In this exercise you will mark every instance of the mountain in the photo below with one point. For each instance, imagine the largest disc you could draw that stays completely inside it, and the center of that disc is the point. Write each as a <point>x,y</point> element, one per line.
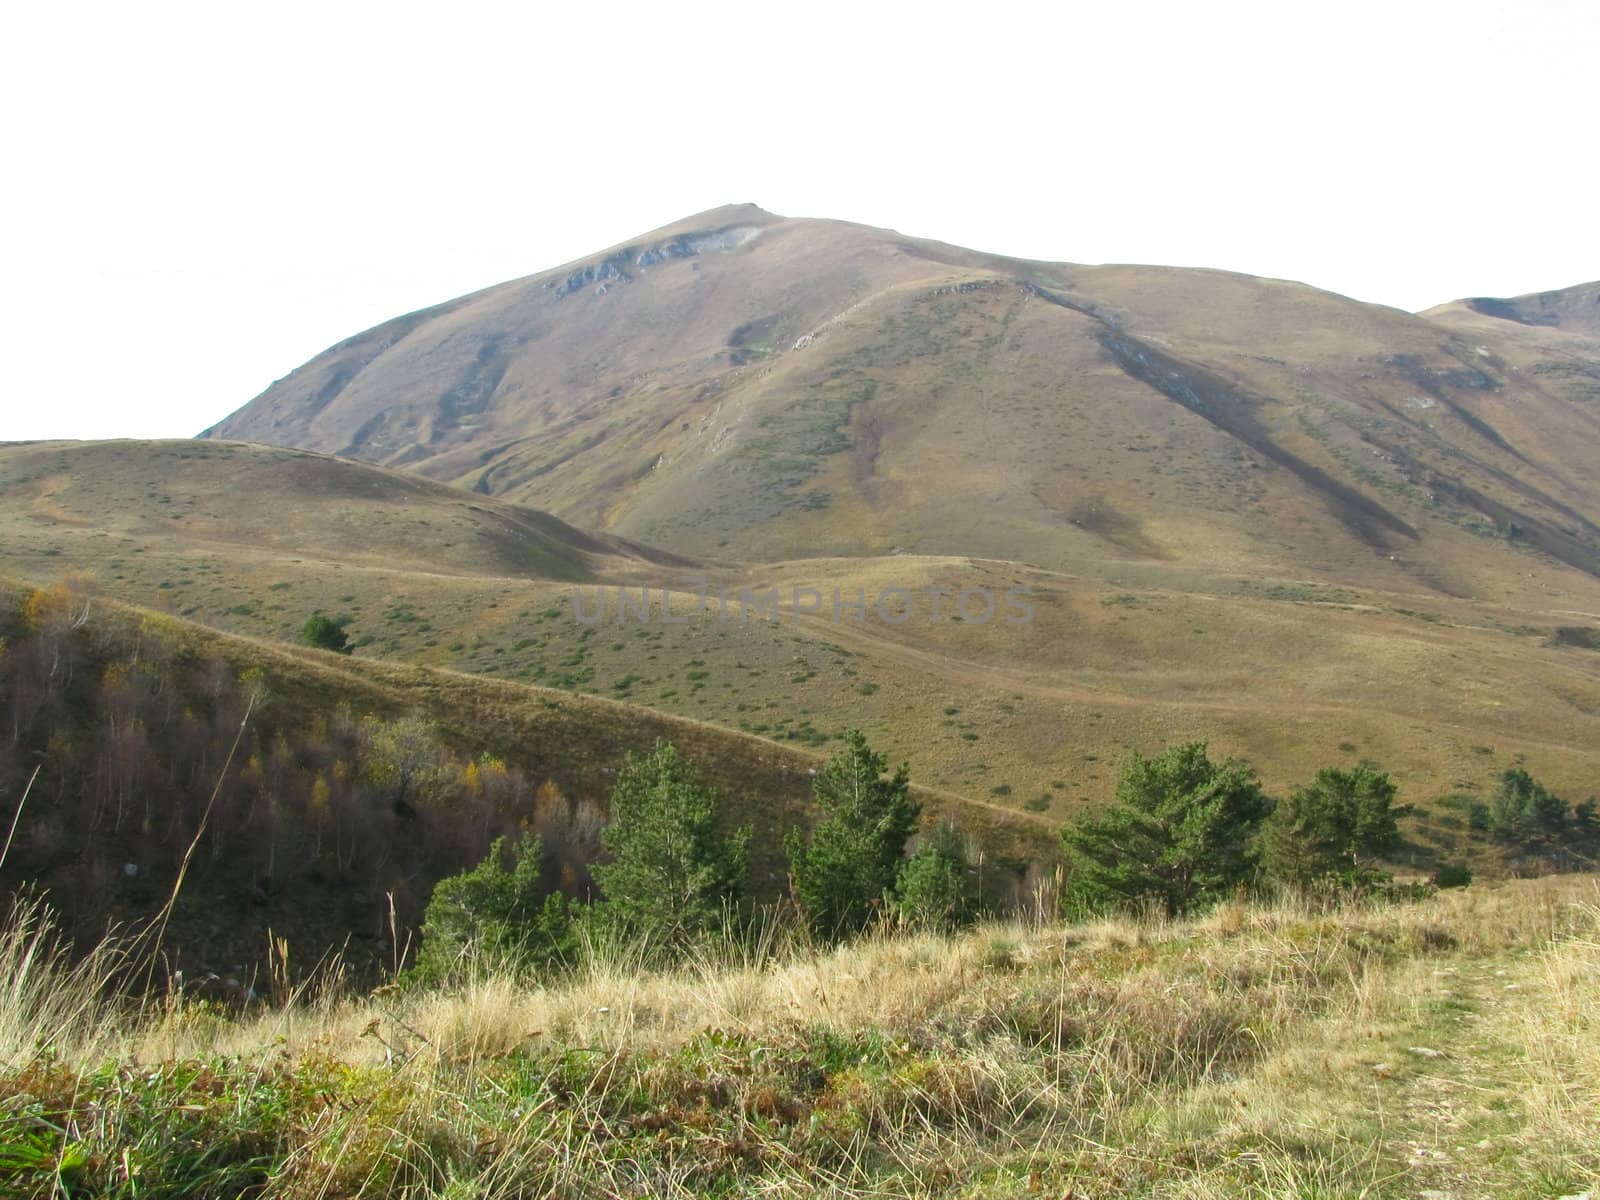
<point>759,388</point>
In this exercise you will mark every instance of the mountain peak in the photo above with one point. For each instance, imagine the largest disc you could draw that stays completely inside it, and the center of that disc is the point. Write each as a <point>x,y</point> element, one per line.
<point>709,221</point>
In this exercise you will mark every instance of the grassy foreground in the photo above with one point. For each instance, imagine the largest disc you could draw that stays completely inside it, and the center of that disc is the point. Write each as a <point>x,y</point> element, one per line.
<point>1449,1047</point>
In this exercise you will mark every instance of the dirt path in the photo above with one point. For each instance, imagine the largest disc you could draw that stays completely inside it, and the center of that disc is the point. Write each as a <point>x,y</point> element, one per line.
<point>1461,1090</point>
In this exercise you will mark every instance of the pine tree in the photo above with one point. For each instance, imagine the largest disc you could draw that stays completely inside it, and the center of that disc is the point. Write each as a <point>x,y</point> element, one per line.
<point>1523,809</point>
<point>489,917</point>
<point>1586,819</point>
<point>673,874</point>
<point>1179,834</point>
<point>935,889</point>
<point>849,864</point>
<point>1328,826</point>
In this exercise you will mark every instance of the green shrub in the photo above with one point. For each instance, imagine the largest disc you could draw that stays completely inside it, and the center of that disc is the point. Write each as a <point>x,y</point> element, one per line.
<point>1576,635</point>
<point>1523,809</point>
<point>325,633</point>
<point>1586,819</point>
<point>489,917</point>
<point>1452,875</point>
<point>935,890</point>
<point>1327,827</point>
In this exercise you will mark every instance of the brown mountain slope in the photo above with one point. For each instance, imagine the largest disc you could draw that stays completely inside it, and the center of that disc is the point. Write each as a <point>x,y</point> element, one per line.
<point>754,387</point>
<point>1571,310</point>
<point>1550,340</point>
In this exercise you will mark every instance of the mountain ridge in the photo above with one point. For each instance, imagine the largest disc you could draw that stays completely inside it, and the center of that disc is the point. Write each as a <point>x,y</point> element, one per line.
<point>1574,309</point>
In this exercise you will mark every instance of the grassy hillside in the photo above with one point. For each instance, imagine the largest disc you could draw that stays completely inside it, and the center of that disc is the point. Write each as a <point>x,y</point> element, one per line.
<point>1306,528</point>
<point>281,504</point>
<point>1287,671</point>
<point>314,790</point>
<point>1444,1048</point>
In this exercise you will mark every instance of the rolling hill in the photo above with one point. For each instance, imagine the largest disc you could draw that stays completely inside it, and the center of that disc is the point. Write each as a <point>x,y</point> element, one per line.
<point>1574,310</point>
<point>280,502</point>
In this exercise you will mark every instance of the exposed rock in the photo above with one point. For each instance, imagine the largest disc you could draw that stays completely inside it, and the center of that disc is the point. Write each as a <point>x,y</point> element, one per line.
<point>614,267</point>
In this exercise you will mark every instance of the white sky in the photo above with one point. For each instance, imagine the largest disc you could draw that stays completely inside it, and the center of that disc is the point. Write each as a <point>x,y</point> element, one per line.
<point>199,197</point>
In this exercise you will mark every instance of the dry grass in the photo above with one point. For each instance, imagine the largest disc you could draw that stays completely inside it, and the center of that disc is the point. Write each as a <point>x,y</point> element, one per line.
<point>1281,1051</point>
<point>51,1000</point>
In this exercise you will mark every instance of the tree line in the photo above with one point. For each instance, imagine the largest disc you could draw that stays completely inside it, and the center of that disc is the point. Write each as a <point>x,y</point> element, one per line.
<point>1184,832</point>
<point>125,738</point>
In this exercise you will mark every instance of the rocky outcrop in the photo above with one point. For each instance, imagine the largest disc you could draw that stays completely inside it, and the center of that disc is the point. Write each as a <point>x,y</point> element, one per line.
<point>619,266</point>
